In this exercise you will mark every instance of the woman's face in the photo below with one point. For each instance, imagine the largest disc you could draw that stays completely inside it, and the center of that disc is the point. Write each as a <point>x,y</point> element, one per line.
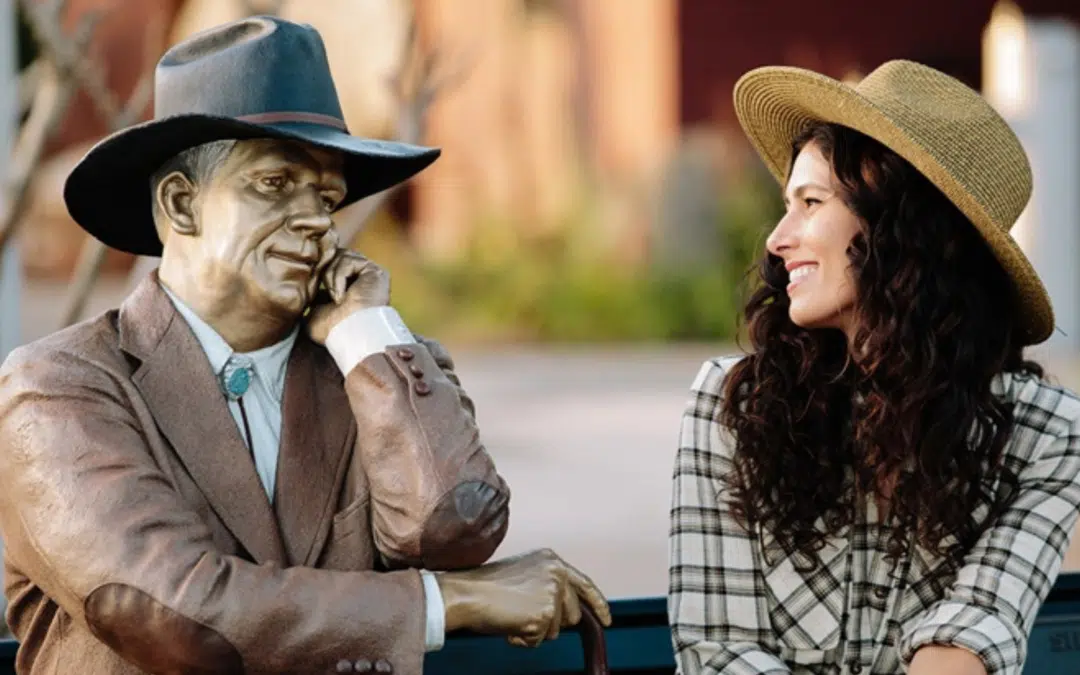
<point>813,239</point>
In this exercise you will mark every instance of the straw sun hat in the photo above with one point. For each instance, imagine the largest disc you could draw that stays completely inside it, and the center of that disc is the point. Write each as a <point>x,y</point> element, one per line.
<point>943,128</point>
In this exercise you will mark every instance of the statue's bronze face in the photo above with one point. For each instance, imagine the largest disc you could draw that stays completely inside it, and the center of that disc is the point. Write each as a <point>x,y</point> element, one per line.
<point>264,220</point>
<point>257,232</point>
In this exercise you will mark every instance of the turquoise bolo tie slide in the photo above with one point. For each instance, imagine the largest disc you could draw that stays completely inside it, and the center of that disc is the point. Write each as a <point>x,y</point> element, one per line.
<point>235,379</point>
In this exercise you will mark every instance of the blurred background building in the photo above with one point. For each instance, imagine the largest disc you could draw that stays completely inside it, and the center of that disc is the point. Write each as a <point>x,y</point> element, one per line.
<point>588,140</point>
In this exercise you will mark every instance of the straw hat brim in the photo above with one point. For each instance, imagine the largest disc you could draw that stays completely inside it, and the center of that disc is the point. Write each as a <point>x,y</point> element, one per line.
<point>775,104</point>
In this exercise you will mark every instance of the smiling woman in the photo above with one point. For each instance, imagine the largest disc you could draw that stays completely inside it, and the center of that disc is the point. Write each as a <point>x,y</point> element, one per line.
<point>883,484</point>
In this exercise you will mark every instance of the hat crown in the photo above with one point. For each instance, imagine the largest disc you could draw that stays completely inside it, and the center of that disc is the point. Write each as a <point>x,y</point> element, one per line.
<point>959,129</point>
<point>253,67</point>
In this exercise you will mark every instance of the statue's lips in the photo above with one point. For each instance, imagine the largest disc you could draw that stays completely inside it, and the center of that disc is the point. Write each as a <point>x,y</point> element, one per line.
<point>295,259</point>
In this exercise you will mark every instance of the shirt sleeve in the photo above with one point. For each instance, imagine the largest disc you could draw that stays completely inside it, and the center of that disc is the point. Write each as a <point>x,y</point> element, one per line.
<point>991,607</point>
<point>435,626</point>
<point>716,602</point>
<point>365,332</point>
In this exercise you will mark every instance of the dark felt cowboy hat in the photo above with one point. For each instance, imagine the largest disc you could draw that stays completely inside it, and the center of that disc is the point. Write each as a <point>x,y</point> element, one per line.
<point>260,77</point>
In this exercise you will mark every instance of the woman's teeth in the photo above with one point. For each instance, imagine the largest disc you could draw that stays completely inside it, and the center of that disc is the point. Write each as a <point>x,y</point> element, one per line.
<point>801,272</point>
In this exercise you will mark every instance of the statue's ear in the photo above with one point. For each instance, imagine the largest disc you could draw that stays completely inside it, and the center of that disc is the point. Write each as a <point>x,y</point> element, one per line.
<point>175,195</point>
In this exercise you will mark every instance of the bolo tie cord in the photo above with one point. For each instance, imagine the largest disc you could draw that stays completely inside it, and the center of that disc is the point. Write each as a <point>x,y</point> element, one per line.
<point>247,427</point>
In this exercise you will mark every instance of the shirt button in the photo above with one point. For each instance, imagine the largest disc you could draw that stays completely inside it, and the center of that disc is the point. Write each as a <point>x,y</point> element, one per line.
<point>344,666</point>
<point>383,666</point>
<point>422,388</point>
<point>856,668</point>
<point>362,666</point>
<point>416,370</point>
<point>405,354</point>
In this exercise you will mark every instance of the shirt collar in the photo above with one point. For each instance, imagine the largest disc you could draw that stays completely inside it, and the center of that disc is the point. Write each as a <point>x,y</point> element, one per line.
<point>270,362</point>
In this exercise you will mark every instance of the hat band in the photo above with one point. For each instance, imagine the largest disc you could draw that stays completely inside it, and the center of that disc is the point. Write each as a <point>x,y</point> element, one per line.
<point>279,117</point>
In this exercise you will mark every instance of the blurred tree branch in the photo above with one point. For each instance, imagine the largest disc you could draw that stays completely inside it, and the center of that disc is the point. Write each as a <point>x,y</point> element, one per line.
<point>45,88</point>
<point>420,77</point>
<point>117,116</point>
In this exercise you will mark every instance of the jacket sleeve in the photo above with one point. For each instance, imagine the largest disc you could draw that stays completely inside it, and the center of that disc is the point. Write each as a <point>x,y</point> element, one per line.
<point>717,599</point>
<point>88,516</point>
<point>437,501</point>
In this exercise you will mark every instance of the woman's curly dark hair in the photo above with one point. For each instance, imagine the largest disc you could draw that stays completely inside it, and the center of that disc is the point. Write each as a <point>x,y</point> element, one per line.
<point>905,412</point>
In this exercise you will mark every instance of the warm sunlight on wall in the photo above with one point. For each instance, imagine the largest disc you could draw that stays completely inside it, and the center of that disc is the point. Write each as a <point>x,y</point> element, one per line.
<point>1007,78</point>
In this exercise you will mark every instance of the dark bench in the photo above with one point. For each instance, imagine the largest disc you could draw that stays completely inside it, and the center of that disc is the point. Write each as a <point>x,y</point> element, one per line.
<point>639,643</point>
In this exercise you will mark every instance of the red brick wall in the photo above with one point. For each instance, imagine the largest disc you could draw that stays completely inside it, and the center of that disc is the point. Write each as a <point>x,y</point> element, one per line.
<point>721,40</point>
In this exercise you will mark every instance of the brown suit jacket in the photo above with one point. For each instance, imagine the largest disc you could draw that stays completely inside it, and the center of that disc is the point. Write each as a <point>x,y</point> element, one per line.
<point>138,537</point>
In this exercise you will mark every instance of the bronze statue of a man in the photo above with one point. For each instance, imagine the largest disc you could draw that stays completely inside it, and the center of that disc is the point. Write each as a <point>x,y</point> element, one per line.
<point>234,472</point>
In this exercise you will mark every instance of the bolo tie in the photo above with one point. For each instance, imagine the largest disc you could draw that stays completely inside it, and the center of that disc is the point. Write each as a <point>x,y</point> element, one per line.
<point>235,381</point>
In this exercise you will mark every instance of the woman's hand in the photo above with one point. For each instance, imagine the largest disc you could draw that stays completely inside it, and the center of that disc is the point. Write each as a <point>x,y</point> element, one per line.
<point>941,660</point>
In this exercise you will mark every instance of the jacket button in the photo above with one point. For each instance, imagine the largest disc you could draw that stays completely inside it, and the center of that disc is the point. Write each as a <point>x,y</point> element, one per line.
<point>881,592</point>
<point>416,370</point>
<point>344,666</point>
<point>362,666</point>
<point>383,666</point>
<point>422,388</point>
<point>405,354</point>
<point>856,668</point>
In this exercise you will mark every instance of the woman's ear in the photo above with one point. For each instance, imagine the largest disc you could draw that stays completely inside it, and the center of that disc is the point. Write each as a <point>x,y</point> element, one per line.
<point>174,196</point>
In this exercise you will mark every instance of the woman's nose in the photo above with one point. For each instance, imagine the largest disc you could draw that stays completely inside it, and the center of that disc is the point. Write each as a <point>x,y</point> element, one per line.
<point>784,236</point>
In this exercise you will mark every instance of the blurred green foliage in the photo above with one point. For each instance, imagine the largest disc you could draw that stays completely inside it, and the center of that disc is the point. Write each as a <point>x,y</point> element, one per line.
<point>567,285</point>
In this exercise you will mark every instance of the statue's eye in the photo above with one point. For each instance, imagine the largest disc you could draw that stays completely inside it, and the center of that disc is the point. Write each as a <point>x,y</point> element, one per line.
<point>273,182</point>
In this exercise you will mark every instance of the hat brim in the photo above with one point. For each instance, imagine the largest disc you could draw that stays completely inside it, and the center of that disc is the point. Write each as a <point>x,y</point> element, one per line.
<point>775,104</point>
<point>108,192</point>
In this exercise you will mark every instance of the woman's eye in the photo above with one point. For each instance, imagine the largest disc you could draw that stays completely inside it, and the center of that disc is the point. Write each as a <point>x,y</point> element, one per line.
<point>810,201</point>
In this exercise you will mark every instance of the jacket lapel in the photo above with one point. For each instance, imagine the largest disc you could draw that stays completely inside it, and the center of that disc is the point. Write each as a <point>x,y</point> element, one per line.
<point>176,381</point>
<point>316,426</point>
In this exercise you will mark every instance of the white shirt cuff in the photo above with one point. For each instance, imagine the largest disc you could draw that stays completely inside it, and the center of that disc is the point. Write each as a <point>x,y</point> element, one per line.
<point>366,332</point>
<point>435,631</point>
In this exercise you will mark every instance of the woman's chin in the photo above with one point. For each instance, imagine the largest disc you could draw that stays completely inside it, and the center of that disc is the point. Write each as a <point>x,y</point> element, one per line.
<point>812,320</point>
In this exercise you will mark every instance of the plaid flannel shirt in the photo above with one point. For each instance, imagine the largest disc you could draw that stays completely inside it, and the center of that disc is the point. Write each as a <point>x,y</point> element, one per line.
<point>733,612</point>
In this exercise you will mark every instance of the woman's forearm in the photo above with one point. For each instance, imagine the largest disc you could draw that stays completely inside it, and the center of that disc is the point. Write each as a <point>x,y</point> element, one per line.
<point>941,660</point>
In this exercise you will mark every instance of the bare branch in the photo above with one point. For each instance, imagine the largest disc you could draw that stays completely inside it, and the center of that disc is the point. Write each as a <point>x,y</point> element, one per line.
<point>86,272</point>
<point>29,79</point>
<point>143,90</point>
<point>92,254</point>
<point>415,85</point>
<point>50,102</point>
<point>57,83</point>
